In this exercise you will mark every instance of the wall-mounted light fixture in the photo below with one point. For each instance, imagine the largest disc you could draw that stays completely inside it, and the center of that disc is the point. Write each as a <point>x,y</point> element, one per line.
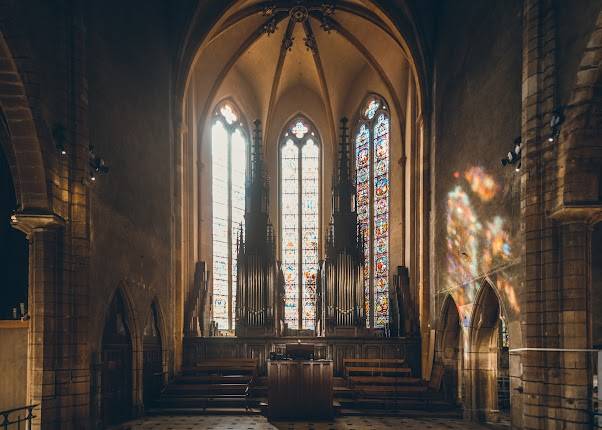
<point>514,157</point>
<point>59,136</point>
<point>555,123</point>
<point>97,165</point>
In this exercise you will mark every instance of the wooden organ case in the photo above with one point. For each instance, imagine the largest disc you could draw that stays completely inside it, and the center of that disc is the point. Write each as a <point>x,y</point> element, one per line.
<point>260,283</point>
<point>341,310</point>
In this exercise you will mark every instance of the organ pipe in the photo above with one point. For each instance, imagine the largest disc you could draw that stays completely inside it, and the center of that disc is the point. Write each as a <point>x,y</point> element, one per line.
<point>341,274</point>
<point>260,283</point>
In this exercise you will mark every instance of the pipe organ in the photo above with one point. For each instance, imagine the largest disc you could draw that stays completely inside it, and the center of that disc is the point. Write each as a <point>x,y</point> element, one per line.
<point>341,284</point>
<point>260,283</point>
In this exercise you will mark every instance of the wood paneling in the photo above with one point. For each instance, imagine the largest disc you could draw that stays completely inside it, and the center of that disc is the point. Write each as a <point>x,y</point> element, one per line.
<point>300,389</point>
<point>198,349</point>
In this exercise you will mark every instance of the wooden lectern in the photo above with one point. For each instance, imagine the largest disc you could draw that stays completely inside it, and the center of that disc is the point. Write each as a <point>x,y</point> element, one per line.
<point>300,389</point>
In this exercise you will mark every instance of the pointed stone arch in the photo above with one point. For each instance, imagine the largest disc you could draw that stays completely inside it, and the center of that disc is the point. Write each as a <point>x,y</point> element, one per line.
<point>450,348</point>
<point>484,364</point>
<point>580,152</point>
<point>120,360</point>
<point>23,148</point>
<point>153,355</point>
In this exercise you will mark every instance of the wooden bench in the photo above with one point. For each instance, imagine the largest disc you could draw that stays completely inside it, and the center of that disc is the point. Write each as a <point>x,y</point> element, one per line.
<point>216,379</point>
<point>374,367</point>
<point>228,366</point>
<point>373,361</point>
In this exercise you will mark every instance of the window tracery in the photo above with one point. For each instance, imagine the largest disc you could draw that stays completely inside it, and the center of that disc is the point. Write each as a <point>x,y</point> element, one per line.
<point>229,162</point>
<point>372,183</point>
<point>299,212</point>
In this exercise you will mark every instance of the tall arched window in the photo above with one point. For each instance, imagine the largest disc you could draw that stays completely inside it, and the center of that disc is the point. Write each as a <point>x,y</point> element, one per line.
<point>299,221</point>
<point>372,180</point>
<point>229,163</point>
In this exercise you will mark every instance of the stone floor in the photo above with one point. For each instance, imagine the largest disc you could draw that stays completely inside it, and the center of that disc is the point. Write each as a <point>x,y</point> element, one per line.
<point>217,422</point>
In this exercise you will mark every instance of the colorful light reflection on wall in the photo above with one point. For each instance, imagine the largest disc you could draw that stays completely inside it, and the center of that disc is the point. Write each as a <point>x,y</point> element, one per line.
<point>479,241</point>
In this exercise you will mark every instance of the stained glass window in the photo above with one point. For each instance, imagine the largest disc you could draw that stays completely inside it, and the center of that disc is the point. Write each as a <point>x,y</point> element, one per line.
<point>299,207</point>
<point>229,161</point>
<point>372,181</point>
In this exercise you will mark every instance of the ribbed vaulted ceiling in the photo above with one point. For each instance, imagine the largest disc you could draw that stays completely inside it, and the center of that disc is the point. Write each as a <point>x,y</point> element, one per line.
<point>284,54</point>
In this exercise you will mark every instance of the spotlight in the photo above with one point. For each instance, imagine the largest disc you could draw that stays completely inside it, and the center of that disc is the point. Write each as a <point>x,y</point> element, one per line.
<point>514,156</point>
<point>555,123</point>
<point>97,165</point>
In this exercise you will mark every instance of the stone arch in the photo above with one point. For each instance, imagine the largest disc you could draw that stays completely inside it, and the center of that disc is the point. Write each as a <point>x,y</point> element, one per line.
<point>487,323</point>
<point>153,355</point>
<point>127,351</point>
<point>580,153</point>
<point>23,148</point>
<point>451,349</point>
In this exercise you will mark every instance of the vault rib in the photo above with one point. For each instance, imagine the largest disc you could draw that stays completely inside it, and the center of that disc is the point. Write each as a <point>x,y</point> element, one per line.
<point>278,72</point>
<point>309,34</point>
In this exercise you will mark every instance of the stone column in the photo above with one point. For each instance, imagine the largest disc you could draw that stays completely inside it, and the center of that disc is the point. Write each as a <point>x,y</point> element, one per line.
<point>44,234</point>
<point>575,367</point>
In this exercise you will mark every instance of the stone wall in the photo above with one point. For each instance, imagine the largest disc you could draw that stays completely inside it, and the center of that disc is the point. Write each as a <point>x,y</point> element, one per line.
<point>13,362</point>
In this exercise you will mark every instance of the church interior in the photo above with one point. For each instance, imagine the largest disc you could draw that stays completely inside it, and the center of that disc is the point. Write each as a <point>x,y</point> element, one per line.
<point>286,214</point>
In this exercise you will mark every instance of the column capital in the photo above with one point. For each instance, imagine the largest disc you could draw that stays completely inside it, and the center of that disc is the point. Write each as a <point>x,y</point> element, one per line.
<point>586,213</point>
<point>30,221</point>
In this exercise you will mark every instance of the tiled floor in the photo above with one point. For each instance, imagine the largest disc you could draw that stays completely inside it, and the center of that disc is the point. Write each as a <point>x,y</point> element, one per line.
<point>217,422</point>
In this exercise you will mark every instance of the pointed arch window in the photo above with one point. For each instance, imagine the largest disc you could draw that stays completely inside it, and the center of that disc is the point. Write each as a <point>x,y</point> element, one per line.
<point>372,181</point>
<point>299,221</point>
<point>229,150</point>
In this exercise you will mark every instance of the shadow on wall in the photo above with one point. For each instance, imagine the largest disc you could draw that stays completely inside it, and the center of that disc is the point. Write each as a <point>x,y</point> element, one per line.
<point>479,241</point>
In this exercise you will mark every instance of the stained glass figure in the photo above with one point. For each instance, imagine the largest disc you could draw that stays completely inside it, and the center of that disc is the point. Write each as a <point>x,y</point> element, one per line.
<point>229,160</point>
<point>299,207</point>
<point>372,182</point>
<point>371,109</point>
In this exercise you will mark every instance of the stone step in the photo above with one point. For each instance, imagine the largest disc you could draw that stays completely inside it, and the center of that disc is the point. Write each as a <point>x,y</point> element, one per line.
<point>211,379</point>
<point>200,411</point>
<point>394,403</point>
<point>204,388</point>
<point>452,413</point>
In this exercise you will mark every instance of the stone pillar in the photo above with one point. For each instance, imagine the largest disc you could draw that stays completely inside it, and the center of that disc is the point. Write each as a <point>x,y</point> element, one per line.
<point>575,369</point>
<point>43,231</point>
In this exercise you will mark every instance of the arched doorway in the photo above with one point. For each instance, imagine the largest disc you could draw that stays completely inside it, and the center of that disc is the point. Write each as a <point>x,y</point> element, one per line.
<point>116,377</point>
<point>490,358</point>
<point>152,359</point>
<point>452,351</point>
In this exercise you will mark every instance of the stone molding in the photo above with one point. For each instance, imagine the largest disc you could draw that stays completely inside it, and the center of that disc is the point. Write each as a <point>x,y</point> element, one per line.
<point>28,222</point>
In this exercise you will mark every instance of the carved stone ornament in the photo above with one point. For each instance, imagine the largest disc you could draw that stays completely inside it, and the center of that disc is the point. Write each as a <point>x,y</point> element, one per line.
<point>299,13</point>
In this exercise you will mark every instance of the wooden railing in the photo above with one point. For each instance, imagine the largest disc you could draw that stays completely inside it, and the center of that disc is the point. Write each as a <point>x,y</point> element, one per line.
<point>17,416</point>
<point>195,302</point>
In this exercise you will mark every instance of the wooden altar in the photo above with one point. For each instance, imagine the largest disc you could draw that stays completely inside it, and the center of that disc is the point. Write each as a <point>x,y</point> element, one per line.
<point>300,389</point>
